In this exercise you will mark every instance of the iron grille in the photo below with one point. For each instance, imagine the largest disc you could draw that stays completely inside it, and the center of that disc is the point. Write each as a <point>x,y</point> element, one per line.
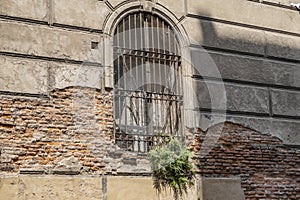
<point>148,85</point>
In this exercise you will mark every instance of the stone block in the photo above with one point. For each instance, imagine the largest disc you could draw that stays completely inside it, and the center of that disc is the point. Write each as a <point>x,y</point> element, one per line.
<point>88,13</point>
<point>66,75</point>
<point>218,35</point>
<point>9,188</point>
<point>23,75</point>
<point>286,102</point>
<point>222,189</point>
<point>31,9</point>
<point>62,187</point>
<point>47,41</point>
<point>247,12</point>
<point>244,68</point>
<point>284,73</point>
<point>115,3</point>
<point>239,98</point>
<point>109,78</point>
<point>129,188</point>
<point>50,187</point>
<point>135,188</point>
<point>283,46</point>
<point>178,8</point>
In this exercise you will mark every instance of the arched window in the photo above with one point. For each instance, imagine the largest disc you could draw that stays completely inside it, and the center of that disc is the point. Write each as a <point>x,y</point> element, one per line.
<point>147,79</point>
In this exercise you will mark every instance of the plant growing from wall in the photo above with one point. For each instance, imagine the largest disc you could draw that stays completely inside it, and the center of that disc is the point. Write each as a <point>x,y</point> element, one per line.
<point>171,167</point>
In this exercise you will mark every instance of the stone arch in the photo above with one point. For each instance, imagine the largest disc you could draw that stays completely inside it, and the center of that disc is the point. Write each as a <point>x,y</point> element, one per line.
<point>147,6</point>
<point>114,18</point>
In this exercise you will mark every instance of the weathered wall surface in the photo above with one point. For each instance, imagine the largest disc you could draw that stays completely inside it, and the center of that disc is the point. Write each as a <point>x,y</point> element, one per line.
<point>51,187</point>
<point>56,105</point>
<point>101,188</point>
<point>69,132</point>
<point>251,55</point>
<point>255,47</point>
<point>267,168</point>
<point>109,187</point>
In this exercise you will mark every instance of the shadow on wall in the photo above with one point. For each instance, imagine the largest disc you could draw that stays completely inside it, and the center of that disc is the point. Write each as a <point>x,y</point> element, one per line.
<point>246,74</point>
<point>256,72</point>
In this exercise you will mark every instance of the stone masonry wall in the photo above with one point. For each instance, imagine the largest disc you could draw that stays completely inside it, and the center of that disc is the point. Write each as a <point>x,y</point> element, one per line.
<point>56,93</point>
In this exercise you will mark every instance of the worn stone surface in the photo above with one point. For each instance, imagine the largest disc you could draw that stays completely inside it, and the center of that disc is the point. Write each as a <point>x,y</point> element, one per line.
<point>9,188</point>
<point>218,35</point>
<point>130,188</point>
<point>116,3</point>
<point>31,9</point>
<point>285,129</point>
<point>244,68</point>
<point>50,187</point>
<point>222,189</point>
<point>45,41</point>
<point>66,75</point>
<point>133,188</point>
<point>43,76</point>
<point>253,13</point>
<point>177,8</point>
<point>286,102</point>
<point>23,75</point>
<point>283,46</point>
<point>89,13</point>
<point>238,97</point>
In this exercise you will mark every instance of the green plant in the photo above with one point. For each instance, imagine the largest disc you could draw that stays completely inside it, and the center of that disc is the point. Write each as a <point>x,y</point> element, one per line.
<point>171,167</point>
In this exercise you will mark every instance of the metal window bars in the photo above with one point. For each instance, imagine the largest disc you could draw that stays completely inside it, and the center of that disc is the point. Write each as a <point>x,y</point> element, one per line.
<point>148,85</point>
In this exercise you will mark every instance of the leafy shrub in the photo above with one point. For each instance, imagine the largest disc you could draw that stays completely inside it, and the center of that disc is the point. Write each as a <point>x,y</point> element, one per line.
<point>171,166</point>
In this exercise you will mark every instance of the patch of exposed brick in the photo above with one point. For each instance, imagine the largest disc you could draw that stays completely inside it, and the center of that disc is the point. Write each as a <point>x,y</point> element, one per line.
<point>37,134</point>
<point>267,168</point>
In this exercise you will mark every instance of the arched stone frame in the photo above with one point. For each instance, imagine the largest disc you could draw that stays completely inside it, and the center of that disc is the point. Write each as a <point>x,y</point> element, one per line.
<point>113,19</point>
<point>187,70</point>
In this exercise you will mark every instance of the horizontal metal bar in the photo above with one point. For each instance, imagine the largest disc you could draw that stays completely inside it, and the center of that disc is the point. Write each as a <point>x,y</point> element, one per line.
<point>146,92</point>
<point>123,50</point>
<point>151,98</point>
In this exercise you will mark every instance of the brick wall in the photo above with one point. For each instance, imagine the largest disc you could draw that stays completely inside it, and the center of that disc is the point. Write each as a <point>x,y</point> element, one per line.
<point>267,168</point>
<point>68,132</point>
<point>37,133</point>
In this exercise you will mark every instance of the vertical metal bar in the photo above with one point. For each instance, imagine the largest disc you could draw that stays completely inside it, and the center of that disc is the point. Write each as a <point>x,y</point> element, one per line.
<point>159,74</point>
<point>136,47</point>
<point>157,38</point>
<point>137,78</point>
<point>146,78</point>
<point>131,77</point>
<point>125,78</point>
<point>153,55</point>
<point>118,82</point>
<point>164,51</point>
<point>141,35</point>
<point>169,62</point>
<point>142,70</point>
